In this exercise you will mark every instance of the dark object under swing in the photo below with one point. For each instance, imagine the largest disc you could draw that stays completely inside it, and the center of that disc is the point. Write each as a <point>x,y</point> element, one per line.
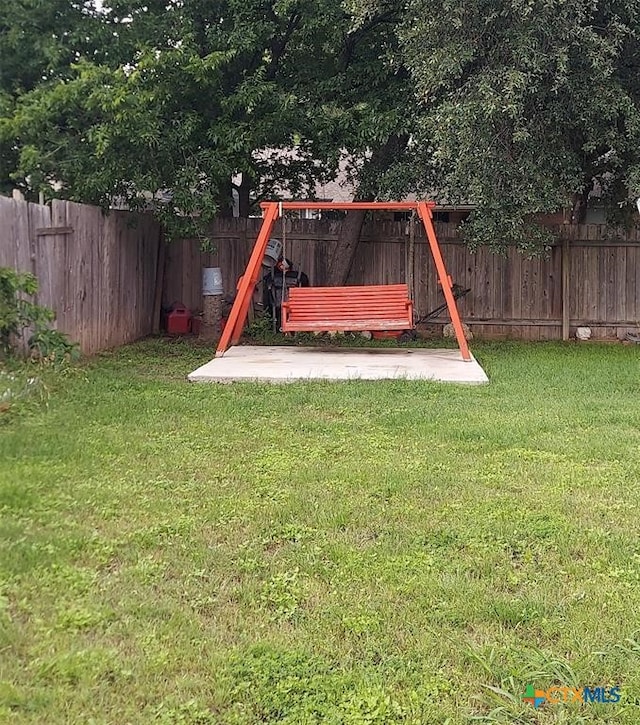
<point>275,286</point>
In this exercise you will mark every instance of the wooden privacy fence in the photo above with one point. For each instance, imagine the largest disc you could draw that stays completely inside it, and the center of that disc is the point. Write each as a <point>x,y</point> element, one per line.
<point>101,273</point>
<point>589,278</point>
<point>98,272</point>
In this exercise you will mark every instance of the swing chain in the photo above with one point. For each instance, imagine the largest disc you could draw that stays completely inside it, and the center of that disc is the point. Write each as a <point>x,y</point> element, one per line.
<point>284,256</point>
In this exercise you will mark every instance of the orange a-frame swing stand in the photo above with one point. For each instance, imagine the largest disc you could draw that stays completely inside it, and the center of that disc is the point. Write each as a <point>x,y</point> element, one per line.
<point>273,209</point>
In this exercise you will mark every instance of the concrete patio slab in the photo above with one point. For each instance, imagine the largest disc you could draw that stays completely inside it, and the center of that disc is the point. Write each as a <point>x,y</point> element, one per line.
<point>288,364</point>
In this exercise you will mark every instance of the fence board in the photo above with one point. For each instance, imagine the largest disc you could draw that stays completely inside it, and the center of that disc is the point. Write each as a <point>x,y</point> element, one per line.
<point>632,280</point>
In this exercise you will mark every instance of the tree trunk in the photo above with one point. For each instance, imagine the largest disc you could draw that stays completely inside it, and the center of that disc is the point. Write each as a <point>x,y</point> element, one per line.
<point>210,328</point>
<point>345,251</point>
<point>579,210</point>
<point>244,203</point>
<point>225,202</point>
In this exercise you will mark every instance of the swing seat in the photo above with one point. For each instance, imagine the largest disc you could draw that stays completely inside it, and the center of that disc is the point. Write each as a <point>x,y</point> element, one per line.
<point>343,309</point>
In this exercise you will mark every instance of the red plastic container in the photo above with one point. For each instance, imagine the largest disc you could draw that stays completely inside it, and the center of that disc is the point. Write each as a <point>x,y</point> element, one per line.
<point>386,334</point>
<point>179,321</point>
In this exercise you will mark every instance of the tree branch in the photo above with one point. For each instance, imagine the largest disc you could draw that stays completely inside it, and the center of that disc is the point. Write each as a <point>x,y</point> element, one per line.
<point>353,39</point>
<point>279,45</point>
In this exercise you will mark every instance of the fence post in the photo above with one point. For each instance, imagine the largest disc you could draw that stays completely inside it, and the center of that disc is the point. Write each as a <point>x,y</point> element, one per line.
<point>566,275</point>
<point>161,261</point>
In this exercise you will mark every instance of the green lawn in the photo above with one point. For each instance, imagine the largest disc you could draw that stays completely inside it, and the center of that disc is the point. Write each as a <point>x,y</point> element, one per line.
<point>351,553</point>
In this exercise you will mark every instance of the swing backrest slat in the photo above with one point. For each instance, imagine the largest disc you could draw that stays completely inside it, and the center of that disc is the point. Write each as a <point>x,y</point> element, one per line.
<point>353,308</point>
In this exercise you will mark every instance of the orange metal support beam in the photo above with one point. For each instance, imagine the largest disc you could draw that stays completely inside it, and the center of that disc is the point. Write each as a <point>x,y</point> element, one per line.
<point>238,315</point>
<point>424,212</point>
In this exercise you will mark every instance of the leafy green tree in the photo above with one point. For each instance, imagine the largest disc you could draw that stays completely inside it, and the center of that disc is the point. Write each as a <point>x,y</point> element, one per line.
<point>38,42</point>
<point>525,106</point>
<point>174,99</point>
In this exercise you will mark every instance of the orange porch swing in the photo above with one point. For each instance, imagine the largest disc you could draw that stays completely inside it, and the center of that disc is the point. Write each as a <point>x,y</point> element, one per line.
<point>356,307</point>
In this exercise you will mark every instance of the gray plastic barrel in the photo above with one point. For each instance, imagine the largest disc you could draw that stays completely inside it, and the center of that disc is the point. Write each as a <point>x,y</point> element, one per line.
<point>212,281</point>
